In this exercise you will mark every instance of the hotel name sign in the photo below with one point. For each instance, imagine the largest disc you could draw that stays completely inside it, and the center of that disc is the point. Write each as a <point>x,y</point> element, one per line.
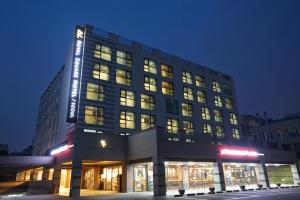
<point>75,76</point>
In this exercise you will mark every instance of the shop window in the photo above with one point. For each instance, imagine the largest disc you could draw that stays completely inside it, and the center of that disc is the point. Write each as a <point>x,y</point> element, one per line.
<point>172,125</point>
<point>200,81</point>
<point>103,52</point>
<point>220,131</point>
<point>201,96</point>
<point>216,86</point>
<point>50,176</point>
<point>187,109</point>
<point>95,92</point>
<point>218,101</point>
<point>150,66</point>
<point>93,115</point>
<point>147,102</point>
<point>172,106</point>
<point>127,120</point>
<point>207,129</point>
<point>187,77</point>
<point>233,119</point>
<point>188,93</point>
<point>218,116</point>
<point>167,71</point>
<point>143,177</point>
<point>124,58</point>
<point>205,112</point>
<point>167,88</point>
<point>123,77</point>
<point>101,72</point>
<point>147,121</point>
<point>150,83</point>
<point>127,98</point>
<point>188,127</point>
<point>109,178</point>
<point>235,134</point>
<point>229,103</point>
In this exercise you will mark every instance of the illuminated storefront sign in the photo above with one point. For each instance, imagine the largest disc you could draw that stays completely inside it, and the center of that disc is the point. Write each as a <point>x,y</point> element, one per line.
<point>239,152</point>
<point>60,149</point>
<point>75,76</point>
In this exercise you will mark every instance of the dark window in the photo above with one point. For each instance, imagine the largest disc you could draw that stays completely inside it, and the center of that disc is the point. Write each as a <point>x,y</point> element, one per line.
<point>172,106</point>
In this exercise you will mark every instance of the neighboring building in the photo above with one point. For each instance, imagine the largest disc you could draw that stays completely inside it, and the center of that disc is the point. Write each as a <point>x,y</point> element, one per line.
<point>121,116</point>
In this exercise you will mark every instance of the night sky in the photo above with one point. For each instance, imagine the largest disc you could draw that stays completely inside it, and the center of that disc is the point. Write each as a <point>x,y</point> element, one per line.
<point>256,41</point>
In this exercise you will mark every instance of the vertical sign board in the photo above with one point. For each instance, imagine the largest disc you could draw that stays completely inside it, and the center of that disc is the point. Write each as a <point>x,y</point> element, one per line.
<point>75,75</point>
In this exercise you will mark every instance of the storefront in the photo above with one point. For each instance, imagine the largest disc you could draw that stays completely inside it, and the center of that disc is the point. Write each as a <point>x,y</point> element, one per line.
<point>143,177</point>
<point>191,176</point>
<point>283,174</point>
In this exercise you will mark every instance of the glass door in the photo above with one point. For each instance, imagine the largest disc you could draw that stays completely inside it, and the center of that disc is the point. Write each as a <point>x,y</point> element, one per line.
<point>139,178</point>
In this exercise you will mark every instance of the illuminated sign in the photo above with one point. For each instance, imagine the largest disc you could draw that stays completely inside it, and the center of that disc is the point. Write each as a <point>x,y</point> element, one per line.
<point>239,152</point>
<point>60,149</point>
<point>75,75</point>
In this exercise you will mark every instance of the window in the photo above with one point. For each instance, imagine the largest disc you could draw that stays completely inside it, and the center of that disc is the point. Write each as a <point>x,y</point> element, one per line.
<point>218,101</point>
<point>172,106</point>
<point>187,109</point>
<point>93,115</point>
<point>150,83</point>
<point>101,72</point>
<point>220,131</point>
<point>95,92</point>
<point>205,113</point>
<point>187,77</point>
<point>188,127</point>
<point>167,88</point>
<point>147,102</point>
<point>102,52</point>
<point>227,89</point>
<point>124,58</point>
<point>172,125</point>
<point>216,86</point>
<point>200,81</point>
<point>235,134</point>
<point>127,120</point>
<point>229,103</point>
<point>188,93</point>
<point>127,98</point>
<point>147,121</point>
<point>201,96</point>
<point>218,116</point>
<point>123,77</point>
<point>233,119</point>
<point>150,66</point>
<point>167,71</point>
<point>207,129</point>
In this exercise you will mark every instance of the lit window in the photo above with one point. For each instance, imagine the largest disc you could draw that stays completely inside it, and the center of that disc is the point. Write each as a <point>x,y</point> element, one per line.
<point>207,129</point>
<point>188,127</point>
<point>127,98</point>
<point>167,88</point>
<point>216,86</point>
<point>172,126</point>
<point>150,83</point>
<point>127,120</point>
<point>123,77</point>
<point>187,77</point>
<point>220,131</point>
<point>200,81</point>
<point>235,134</point>
<point>218,116</point>
<point>101,72</point>
<point>218,101</point>
<point>102,52</point>
<point>167,71</point>
<point>147,121</point>
<point>147,102</point>
<point>205,113</point>
<point>229,103</point>
<point>150,66</point>
<point>124,58</point>
<point>201,96</point>
<point>50,176</point>
<point>172,106</point>
<point>93,115</point>
<point>188,93</point>
<point>233,119</point>
<point>95,92</point>
<point>187,109</point>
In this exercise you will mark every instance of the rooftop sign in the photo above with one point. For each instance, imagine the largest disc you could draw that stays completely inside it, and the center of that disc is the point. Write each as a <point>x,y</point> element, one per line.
<point>239,152</point>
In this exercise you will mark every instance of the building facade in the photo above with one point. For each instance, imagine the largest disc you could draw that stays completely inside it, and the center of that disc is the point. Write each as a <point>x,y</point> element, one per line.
<point>121,116</point>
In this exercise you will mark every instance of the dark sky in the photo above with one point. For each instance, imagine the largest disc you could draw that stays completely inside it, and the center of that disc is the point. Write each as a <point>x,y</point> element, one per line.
<point>256,41</point>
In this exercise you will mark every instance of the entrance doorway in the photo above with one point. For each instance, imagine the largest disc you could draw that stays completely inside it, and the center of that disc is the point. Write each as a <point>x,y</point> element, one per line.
<point>65,181</point>
<point>142,177</point>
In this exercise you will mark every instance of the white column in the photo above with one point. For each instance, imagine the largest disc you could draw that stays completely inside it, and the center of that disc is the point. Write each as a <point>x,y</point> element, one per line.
<point>261,179</point>
<point>129,178</point>
<point>185,177</point>
<point>295,174</point>
<point>218,176</point>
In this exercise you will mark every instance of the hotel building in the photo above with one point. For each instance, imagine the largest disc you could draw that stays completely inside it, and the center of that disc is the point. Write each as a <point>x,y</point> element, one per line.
<point>124,117</point>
